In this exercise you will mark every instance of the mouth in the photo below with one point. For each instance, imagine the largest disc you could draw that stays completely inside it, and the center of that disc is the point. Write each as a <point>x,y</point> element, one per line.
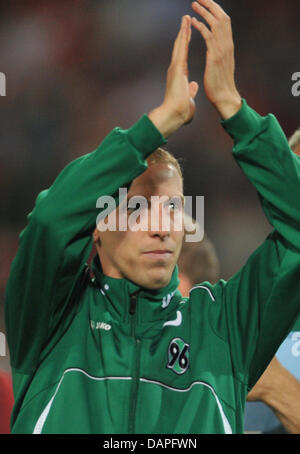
<point>158,254</point>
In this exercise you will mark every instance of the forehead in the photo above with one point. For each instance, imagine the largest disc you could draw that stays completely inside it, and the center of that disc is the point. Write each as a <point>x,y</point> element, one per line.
<point>157,179</point>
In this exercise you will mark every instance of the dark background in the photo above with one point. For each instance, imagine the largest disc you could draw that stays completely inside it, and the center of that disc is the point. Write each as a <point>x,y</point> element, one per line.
<point>76,69</point>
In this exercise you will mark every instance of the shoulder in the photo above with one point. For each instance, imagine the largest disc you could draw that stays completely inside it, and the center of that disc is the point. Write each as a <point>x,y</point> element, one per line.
<point>207,291</point>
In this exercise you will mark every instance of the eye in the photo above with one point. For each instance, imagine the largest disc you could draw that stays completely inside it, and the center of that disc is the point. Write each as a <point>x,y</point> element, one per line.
<point>132,209</point>
<point>175,203</point>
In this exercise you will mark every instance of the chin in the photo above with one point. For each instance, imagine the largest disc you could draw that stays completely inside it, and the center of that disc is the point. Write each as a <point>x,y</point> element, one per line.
<point>156,279</point>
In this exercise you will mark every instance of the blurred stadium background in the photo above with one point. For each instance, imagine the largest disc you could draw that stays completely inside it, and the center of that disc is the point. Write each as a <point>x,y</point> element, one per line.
<point>77,68</point>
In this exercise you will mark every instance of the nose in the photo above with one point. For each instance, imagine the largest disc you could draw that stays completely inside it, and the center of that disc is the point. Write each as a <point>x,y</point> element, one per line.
<point>159,221</point>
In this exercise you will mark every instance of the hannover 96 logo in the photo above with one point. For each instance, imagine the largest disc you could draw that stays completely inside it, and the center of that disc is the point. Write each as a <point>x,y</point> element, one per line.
<point>178,356</point>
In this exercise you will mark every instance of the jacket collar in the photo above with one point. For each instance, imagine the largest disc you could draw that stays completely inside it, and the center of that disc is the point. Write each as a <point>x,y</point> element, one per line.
<point>152,305</point>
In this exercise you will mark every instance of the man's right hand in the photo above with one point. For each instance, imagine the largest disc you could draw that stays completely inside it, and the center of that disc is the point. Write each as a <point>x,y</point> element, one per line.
<point>178,107</point>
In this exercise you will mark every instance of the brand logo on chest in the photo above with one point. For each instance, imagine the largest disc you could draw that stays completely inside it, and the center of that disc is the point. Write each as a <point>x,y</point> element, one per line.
<point>100,325</point>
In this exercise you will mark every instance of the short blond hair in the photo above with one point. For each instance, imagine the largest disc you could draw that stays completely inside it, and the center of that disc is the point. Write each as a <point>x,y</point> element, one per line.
<point>294,140</point>
<point>162,156</point>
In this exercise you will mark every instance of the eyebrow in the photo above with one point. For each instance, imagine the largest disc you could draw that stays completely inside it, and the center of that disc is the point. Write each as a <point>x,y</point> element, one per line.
<point>180,196</point>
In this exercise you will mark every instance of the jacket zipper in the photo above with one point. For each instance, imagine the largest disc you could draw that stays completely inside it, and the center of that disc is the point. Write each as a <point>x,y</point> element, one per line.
<point>135,373</point>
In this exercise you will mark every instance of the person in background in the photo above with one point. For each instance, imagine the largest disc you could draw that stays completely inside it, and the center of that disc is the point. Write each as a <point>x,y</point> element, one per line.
<point>198,261</point>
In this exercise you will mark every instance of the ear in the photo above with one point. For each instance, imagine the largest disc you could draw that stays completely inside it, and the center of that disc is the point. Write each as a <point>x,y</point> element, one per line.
<point>96,237</point>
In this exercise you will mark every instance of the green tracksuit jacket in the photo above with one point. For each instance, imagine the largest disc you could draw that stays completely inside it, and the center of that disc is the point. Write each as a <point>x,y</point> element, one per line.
<point>105,356</point>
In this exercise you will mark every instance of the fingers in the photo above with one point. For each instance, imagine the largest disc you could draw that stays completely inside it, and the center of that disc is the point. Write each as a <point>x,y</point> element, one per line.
<point>202,28</point>
<point>219,83</point>
<point>205,13</point>
<point>181,45</point>
<point>213,7</point>
<point>218,21</point>
<point>211,12</point>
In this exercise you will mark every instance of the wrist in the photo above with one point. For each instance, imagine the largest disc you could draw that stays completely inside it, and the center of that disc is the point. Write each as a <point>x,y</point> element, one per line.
<point>166,121</point>
<point>229,106</point>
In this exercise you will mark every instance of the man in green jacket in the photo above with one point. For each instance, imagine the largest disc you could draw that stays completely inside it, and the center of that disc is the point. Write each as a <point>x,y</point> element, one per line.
<point>124,352</point>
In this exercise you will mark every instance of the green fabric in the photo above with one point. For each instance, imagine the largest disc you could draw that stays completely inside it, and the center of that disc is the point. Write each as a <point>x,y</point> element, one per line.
<point>83,364</point>
<point>296,326</point>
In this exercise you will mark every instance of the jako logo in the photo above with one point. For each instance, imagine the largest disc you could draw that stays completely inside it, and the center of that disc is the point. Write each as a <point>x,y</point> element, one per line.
<point>100,325</point>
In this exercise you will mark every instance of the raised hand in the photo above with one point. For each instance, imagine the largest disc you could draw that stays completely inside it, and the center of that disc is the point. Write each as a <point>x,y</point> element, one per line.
<point>219,82</point>
<point>178,107</point>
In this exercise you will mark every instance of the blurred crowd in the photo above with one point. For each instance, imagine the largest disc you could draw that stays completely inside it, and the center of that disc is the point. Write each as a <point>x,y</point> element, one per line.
<point>75,69</point>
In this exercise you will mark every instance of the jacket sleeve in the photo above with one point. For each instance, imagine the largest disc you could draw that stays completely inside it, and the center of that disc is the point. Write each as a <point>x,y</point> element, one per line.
<point>57,240</point>
<point>260,303</point>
